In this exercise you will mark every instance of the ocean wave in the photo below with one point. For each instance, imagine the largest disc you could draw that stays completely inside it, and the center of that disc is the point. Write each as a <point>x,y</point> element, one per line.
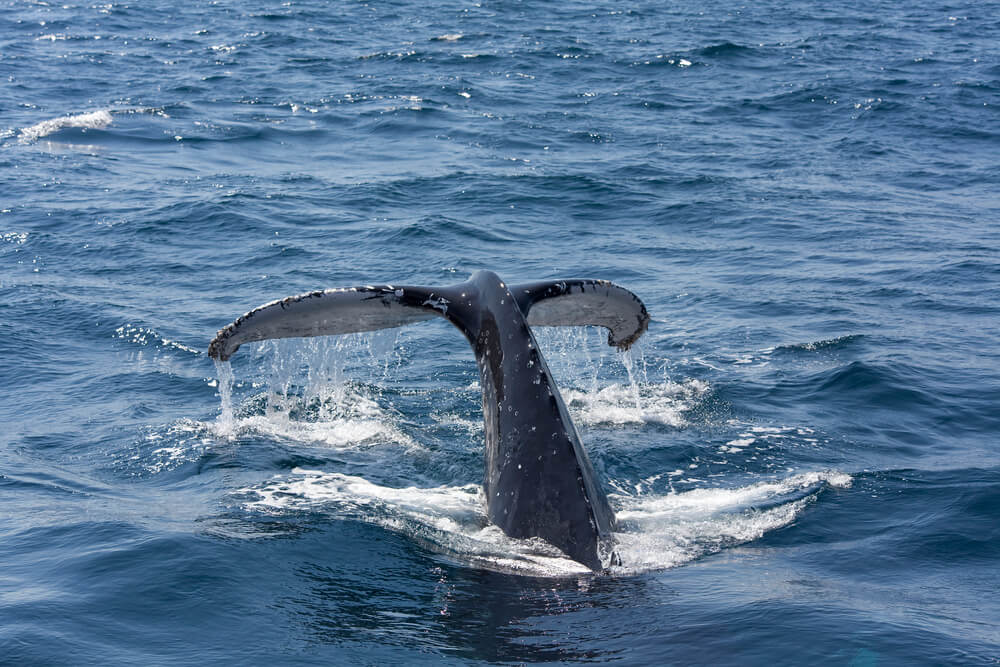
<point>837,343</point>
<point>864,385</point>
<point>93,120</point>
<point>441,227</point>
<point>725,49</point>
<point>874,384</point>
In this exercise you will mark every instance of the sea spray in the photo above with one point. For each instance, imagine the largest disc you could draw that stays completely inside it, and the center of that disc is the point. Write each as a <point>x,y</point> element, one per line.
<point>225,423</point>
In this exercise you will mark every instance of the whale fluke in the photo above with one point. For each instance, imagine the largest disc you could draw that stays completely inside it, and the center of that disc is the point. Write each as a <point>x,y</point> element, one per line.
<point>582,303</point>
<point>326,313</point>
<point>371,307</point>
<point>538,480</point>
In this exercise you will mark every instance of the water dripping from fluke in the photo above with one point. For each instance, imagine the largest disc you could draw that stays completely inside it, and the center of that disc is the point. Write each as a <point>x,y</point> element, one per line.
<point>225,423</point>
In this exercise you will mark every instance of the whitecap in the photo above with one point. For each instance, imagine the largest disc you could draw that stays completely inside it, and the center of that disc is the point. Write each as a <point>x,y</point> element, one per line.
<point>93,120</point>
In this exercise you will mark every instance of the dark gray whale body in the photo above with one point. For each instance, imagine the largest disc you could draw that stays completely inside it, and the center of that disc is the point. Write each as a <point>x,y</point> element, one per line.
<point>539,481</point>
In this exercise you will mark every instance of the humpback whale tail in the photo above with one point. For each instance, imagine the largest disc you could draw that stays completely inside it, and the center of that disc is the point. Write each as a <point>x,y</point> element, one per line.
<point>538,481</point>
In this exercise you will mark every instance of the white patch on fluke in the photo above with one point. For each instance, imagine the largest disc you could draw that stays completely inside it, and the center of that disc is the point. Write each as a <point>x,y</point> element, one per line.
<point>439,303</point>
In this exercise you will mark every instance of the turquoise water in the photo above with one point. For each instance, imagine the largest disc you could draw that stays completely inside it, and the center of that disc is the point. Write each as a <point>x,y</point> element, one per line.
<point>802,450</point>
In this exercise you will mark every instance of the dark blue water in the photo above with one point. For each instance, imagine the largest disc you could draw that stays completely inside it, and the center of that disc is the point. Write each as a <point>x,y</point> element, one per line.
<point>802,451</point>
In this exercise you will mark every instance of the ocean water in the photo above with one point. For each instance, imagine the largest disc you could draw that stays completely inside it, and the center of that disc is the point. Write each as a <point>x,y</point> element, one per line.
<point>803,451</point>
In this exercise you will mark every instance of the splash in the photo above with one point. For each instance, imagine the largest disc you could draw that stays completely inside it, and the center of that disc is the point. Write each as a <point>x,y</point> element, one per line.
<point>448,519</point>
<point>340,416</point>
<point>640,403</point>
<point>658,531</point>
<point>309,395</point>
<point>312,394</point>
<point>661,531</point>
<point>583,363</point>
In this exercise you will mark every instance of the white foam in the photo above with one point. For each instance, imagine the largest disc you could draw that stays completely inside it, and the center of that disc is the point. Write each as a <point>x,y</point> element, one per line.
<point>336,433</point>
<point>336,416</point>
<point>448,518</point>
<point>472,426</point>
<point>94,120</point>
<point>717,499</point>
<point>657,530</point>
<point>664,403</point>
<point>449,504</point>
<point>661,531</point>
<point>738,445</point>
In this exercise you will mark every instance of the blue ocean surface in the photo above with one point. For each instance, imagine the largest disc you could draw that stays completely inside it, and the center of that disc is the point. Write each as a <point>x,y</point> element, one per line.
<point>803,451</point>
